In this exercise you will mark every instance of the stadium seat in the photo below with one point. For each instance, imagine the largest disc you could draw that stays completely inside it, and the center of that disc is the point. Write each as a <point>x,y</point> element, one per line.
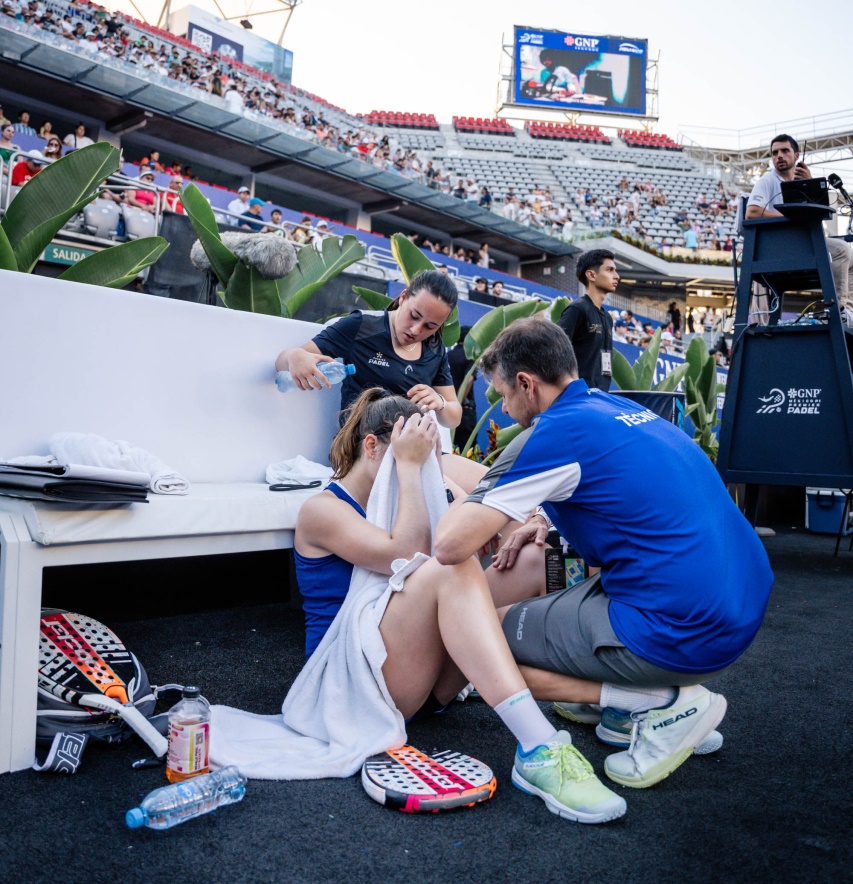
<point>101,218</point>
<point>139,223</point>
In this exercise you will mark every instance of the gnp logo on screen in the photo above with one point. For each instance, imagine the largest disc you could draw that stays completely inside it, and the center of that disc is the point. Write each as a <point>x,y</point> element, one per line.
<point>587,43</point>
<point>796,401</point>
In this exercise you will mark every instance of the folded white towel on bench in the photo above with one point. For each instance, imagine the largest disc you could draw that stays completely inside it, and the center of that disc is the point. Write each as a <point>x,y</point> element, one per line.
<point>298,470</point>
<point>96,451</point>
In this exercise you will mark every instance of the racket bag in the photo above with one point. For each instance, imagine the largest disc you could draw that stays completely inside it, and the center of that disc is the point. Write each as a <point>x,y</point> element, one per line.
<point>80,656</point>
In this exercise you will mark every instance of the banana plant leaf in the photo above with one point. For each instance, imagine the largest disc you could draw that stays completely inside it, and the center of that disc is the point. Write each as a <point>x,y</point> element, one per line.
<point>117,266</point>
<point>248,290</point>
<point>507,434</point>
<point>58,192</point>
<point>7,256</point>
<point>222,260</point>
<point>488,327</point>
<point>452,329</point>
<point>707,385</point>
<point>623,372</point>
<point>374,300</point>
<point>558,306</point>
<point>672,380</point>
<point>696,356</point>
<point>644,367</point>
<point>409,257</point>
<point>314,270</point>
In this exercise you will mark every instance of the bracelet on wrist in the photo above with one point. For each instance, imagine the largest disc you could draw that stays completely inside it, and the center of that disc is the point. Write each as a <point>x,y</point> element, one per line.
<point>443,402</point>
<point>541,512</point>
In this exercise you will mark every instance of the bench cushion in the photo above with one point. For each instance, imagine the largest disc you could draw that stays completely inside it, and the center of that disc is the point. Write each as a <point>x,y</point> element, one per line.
<point>229,508</point>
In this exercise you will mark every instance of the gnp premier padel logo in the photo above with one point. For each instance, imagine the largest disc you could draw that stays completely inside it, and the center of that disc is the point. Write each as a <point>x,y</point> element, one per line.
<point>797,400</point>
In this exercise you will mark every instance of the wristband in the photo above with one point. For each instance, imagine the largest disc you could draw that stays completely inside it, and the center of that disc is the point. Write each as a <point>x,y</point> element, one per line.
<point>443,402</point>
<point>540,512</point>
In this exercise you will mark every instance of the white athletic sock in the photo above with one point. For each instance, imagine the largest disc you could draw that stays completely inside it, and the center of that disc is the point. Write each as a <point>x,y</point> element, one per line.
<point>685,695</point>
<point>526,721</point>
<point>636,699</point>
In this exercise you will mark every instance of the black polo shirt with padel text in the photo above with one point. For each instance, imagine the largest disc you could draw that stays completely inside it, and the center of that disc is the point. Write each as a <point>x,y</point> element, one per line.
<point>590,330</point>
<point>364,339</point>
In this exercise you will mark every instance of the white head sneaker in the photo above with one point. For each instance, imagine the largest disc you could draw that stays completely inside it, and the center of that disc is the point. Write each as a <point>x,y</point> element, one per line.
<point>663,739</point>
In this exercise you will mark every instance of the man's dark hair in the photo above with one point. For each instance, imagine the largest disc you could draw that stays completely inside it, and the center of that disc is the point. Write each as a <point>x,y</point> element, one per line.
<point>591,260</point>
<point>790,139</point>
<point>532,345</point>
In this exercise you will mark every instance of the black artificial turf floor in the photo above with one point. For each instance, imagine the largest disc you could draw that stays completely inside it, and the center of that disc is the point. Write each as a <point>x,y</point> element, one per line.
<point>774,803</point>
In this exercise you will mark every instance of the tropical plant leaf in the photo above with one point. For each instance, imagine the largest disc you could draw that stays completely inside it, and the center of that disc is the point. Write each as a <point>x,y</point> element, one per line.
<point>644,367</point>
<point>492,395</point>
<point>7,256</point>
<point>452,329</point>
<point>117,266</point>
<point>409,257</point>
<point>488,327</point>
<point>59,191</point>
<point>248,290</point>
<point>558,305</point>
<point>472,439</point>
<point>669,383</point>
<point>707,384</point>
<point>696,356</point>
<point>623,372</point>
<point>314,270</point>
<point>222,260</point>
<point>374,300</point>
<point>507,434</point>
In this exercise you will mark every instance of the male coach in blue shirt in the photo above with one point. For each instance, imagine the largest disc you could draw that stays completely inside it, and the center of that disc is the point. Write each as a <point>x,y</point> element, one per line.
<point>684,580</point>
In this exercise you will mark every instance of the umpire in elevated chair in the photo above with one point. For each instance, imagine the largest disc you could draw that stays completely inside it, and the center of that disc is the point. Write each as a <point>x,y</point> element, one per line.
<point>684,581</point>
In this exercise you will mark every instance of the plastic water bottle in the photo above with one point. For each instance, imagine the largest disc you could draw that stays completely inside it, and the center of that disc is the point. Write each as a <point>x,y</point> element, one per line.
<point>335,372</point>
<point>175,804</point>
<point>189,737</point>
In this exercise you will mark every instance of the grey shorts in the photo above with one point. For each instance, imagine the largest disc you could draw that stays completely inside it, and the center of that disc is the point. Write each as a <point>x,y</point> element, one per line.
<point>570,632</point>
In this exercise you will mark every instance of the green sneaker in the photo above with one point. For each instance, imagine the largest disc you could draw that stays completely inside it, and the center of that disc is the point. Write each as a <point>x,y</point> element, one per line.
<point>565,781</point>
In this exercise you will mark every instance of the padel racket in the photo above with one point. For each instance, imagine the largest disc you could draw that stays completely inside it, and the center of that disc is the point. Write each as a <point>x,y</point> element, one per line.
<point>84,663</point>
<point>409,780</point>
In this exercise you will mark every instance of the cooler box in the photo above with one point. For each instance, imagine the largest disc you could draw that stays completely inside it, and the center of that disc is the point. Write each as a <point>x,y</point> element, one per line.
<point>824,510</point>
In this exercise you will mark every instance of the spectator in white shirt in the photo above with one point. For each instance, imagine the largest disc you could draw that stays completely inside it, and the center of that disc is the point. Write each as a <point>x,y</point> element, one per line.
<point>77,138</point>
<point>240,205</point>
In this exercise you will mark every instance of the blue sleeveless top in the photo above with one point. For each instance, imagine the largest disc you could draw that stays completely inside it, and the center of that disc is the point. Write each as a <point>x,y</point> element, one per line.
<point>323,583</point>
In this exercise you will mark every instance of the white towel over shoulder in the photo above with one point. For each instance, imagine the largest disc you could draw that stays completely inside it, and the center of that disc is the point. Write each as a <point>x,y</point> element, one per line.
<point>96,451</point>
<point>338,711</point>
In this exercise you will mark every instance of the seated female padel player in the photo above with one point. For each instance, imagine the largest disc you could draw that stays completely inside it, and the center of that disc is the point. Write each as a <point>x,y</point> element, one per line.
<point>438,626</point>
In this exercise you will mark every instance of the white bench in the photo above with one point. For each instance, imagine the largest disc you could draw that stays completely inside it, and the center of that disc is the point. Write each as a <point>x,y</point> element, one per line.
<point>189,383</point>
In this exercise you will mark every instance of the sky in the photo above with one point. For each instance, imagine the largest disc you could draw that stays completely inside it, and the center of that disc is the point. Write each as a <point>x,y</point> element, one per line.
<point>726,65</point>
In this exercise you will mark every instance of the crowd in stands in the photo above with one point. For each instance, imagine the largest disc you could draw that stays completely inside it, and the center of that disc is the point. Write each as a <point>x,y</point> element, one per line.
<point>541,210</point>
<point>622,208</point>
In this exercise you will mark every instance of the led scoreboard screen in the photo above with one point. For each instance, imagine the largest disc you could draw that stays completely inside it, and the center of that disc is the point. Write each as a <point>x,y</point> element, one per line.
<point>578,72</point>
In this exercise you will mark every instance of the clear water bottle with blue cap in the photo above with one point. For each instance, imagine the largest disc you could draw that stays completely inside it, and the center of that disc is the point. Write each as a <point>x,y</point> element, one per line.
<point>335,372</point>
<point>175,804</point>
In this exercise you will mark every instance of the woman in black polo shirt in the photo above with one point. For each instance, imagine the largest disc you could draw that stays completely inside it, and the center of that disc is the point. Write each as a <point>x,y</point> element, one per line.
<point>399,349</point>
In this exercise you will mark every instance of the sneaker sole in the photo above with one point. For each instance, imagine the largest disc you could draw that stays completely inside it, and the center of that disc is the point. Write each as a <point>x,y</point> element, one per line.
<point>577,719</point>
<point>673,762</point>
<point>712,743</point>
<point>577,816</point>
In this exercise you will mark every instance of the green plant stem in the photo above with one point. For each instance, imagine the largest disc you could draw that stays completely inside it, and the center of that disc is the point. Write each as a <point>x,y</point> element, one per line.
<point>473,437</point>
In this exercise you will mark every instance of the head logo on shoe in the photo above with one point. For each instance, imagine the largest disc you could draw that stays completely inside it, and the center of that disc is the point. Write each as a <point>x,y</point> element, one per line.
<point>678,717</point>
